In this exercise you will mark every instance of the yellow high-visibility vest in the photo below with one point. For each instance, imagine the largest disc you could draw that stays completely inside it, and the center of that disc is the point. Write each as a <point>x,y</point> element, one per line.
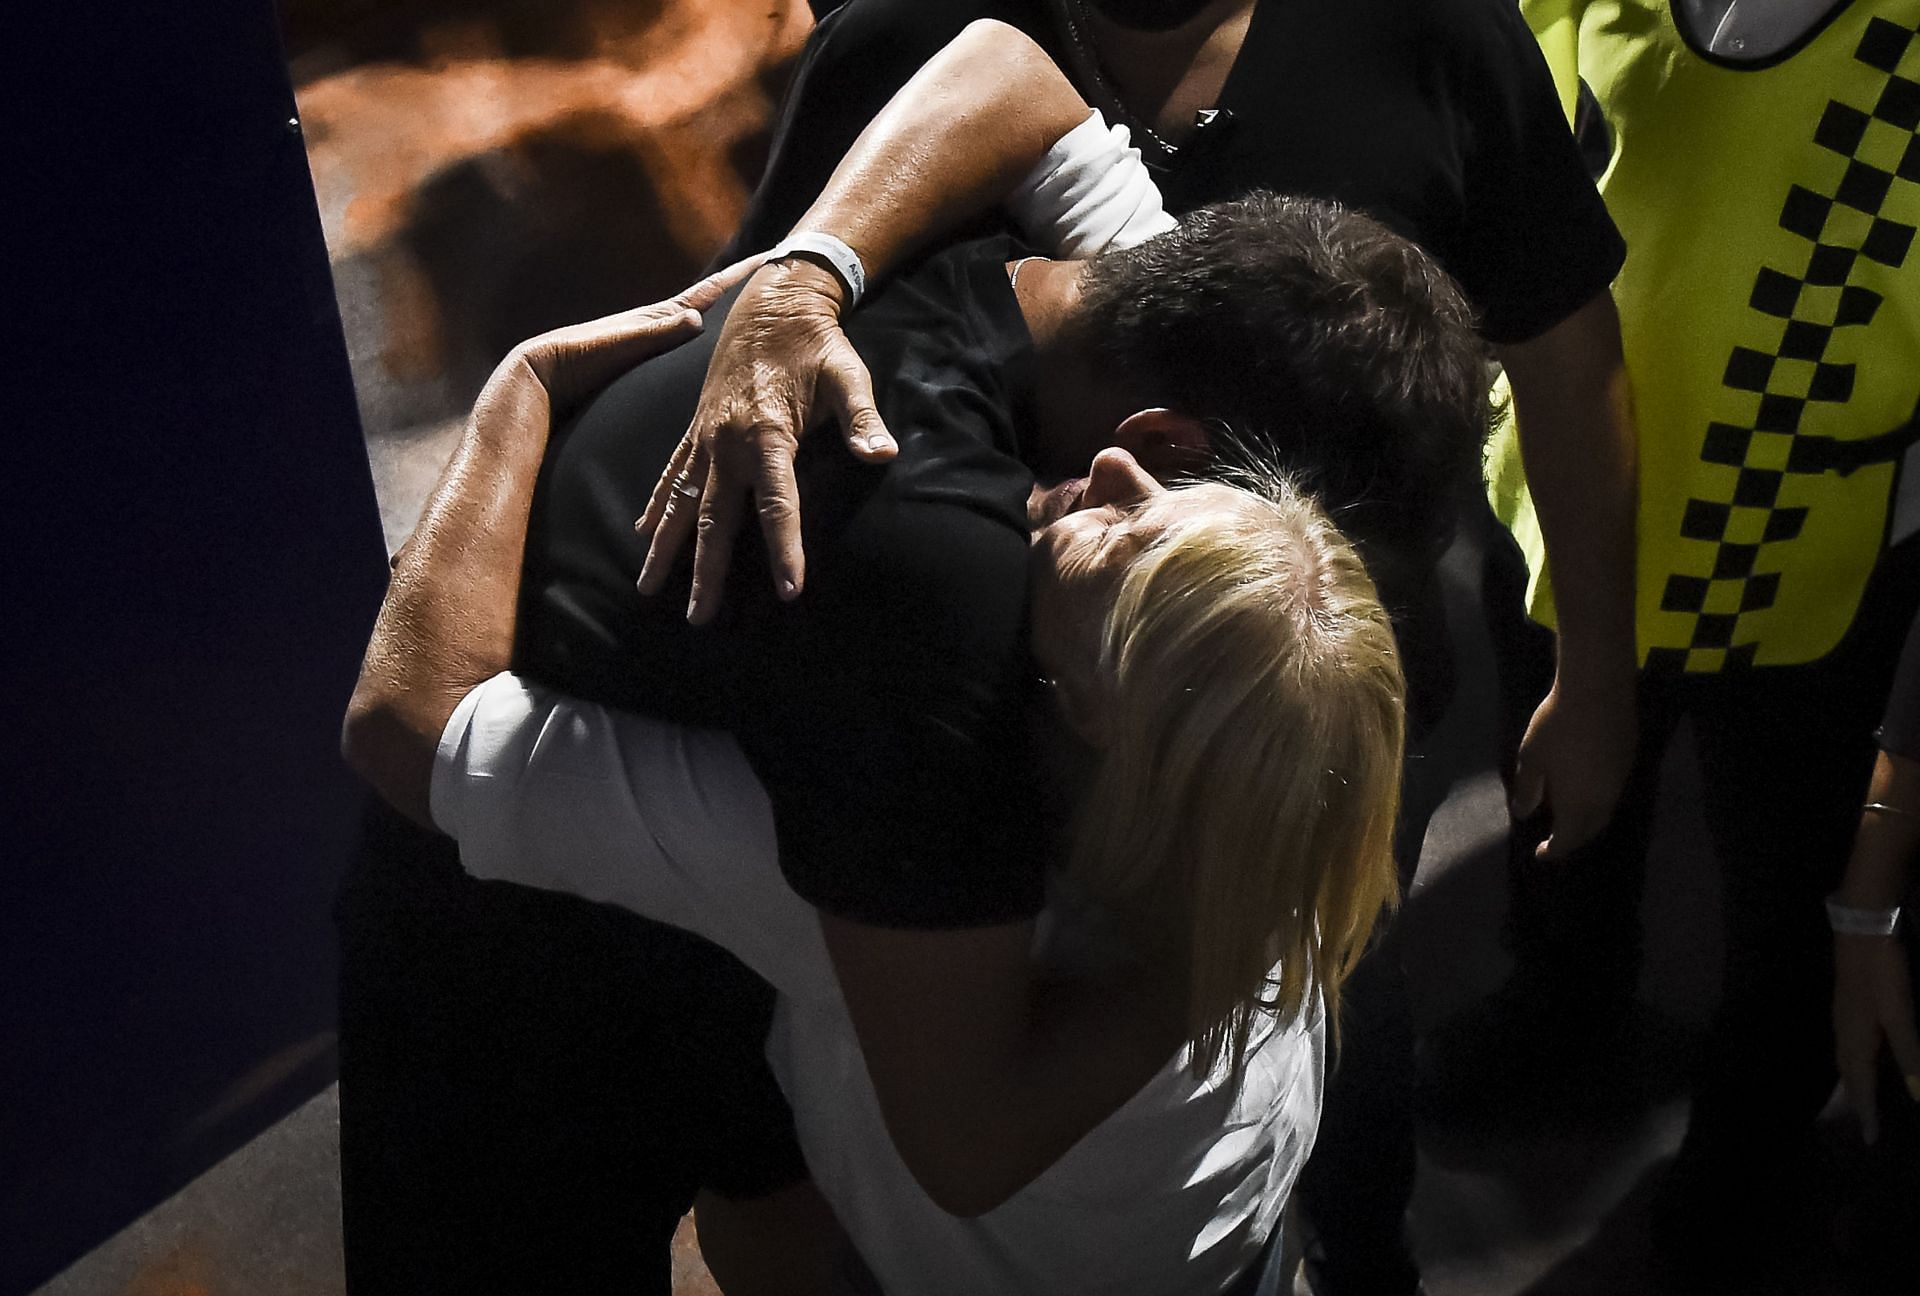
<point>1770,309</point>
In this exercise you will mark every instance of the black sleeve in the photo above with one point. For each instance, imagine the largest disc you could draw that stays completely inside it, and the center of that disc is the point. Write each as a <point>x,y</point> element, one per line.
<point>1900,730</point>
<point>895,750</point>
<point>854,61</point>
<point>1538,243</point>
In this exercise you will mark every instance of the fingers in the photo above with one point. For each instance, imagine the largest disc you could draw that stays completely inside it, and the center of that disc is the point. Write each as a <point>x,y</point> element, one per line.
<point>718,523</point>
<point>1574,825</point>
<point>845,382</point>
<point>662,498</point>
<point>608,348</point>
<point>672,514</point>
<point>701,296</point>
<point>1860,1081</point>
<point>777,496</point>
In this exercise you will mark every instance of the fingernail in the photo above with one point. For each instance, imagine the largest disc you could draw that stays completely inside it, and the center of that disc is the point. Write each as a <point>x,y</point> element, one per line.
<point>877,443</point>
<point>1913,1087</point>
<point>788,589</point>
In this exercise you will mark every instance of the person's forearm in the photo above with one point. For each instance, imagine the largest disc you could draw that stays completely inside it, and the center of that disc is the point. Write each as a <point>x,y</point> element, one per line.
<point>956,140</point>
<point>448,620</point>
<point>1580,450</point>
<point>1879,872</point>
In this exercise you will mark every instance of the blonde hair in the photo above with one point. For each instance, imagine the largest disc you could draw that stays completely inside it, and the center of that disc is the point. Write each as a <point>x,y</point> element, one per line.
<point>1242,808</point>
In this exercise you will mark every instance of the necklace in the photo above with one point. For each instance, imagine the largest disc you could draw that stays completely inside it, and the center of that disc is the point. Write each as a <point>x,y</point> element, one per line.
<point>1093,78</point>
<point>1013,275</point>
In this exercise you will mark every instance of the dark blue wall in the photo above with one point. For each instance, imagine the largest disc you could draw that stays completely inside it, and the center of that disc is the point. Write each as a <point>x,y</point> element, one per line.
<point>193,559</point>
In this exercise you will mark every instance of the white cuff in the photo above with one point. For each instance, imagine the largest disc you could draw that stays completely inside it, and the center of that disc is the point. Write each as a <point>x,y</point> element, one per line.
<point>1089,193</point>
<point>841,259</point>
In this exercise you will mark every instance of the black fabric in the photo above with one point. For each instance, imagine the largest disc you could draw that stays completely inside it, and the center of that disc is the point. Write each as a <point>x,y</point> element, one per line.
<point>1439,119</point>
<point>1900,726</point>
<point>1783,755</point>
<point>532,1087</point>
<point>881,710</point>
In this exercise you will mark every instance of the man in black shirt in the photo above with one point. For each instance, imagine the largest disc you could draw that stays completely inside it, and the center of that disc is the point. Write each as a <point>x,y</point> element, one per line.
<point>902,796</point>
<point>1440,120</point>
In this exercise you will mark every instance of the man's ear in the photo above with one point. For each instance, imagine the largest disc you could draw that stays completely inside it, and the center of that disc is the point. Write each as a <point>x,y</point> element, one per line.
<point>1166,443</point>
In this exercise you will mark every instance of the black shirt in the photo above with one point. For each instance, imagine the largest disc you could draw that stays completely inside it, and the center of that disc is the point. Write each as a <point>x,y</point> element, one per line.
<point>1900,729</point>
<point>883,710</point>
<point>1437,117</point>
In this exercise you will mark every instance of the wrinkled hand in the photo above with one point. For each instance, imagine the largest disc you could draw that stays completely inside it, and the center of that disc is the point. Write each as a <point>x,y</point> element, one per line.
<point>1872,1009</point>
<point>1575,760</point>
<point>780,352</point>
<point>570,364</point>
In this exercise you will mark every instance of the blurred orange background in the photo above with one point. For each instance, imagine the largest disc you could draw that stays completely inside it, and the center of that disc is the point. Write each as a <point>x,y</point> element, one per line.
<point>488,169</point>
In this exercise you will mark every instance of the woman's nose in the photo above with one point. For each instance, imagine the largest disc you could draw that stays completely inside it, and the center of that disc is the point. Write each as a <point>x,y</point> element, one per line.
<point>1117,478</point>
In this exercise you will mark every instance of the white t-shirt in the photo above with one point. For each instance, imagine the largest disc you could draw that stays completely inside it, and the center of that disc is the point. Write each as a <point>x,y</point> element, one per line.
<point>1173,1194</point>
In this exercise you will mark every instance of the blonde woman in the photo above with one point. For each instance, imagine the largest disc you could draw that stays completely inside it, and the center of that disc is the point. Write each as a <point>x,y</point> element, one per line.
<point>1226,708</point>
<point>884,717</point>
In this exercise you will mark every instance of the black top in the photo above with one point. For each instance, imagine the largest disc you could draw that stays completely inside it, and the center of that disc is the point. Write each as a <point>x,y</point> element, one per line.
<point>883,711</point>
<point>1900,730</point>
<point>1437,117</point>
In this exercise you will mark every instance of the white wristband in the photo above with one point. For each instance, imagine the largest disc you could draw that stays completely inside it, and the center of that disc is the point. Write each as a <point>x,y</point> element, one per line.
<point>1848,921</point>
<point>841,259</point>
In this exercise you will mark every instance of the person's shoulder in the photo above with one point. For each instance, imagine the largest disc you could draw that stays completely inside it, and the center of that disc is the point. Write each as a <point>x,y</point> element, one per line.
<point>860,21</point>
<point>1463,31</point>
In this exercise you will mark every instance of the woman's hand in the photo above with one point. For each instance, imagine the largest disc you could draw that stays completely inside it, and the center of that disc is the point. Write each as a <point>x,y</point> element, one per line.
<point>780,351</point>
<point>1872,1009</point>
<point>575,362</point>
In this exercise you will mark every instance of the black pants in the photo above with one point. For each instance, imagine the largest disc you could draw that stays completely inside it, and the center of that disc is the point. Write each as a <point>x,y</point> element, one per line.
<point>1784,755</point>
<point>532,1087</point>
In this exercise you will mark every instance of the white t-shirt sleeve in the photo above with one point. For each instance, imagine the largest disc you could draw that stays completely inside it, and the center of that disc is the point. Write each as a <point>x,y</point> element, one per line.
<point>669,821</point>
<point>1089,193</point>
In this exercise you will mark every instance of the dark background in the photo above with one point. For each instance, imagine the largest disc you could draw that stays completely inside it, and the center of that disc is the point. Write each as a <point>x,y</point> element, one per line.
<point>194,556</point>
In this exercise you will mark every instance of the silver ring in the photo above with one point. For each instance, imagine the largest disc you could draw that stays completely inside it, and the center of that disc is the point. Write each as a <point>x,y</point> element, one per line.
<point>686,489</point>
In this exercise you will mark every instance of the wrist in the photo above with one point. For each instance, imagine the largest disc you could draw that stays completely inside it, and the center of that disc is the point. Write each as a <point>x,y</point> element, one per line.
<point>1589,663</point>
<point>1868,893</point>
<point>1848,919</point>
<point>821,263</point>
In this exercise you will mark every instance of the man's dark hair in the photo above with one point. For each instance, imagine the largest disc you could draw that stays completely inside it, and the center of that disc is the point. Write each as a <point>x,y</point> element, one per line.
<point>1324,342</point>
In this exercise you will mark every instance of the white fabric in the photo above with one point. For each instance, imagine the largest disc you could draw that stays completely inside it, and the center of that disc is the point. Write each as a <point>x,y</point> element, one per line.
<point>1173,1194</point>
<point>1089,193</point>
<point>846,263</point>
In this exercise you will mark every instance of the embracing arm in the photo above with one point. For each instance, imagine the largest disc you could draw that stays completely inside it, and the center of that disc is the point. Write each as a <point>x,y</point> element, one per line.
<point>957,139</point>
<point>447,623</point>
<point>1580,449</point>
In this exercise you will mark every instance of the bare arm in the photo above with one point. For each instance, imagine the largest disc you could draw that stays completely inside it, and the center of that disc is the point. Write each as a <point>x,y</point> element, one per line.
<point>447,623</point>
<point>1578,442</point>
<point>955,141</point>
<point>1872,991</point>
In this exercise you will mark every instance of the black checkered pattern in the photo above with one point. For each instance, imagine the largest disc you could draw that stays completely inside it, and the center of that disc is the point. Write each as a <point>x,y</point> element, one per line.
<point>1842,229</point>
